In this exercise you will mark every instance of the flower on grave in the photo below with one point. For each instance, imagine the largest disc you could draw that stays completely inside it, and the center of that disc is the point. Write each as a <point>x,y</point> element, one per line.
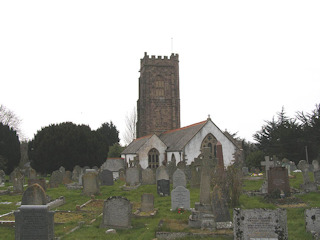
<point>180,210</point>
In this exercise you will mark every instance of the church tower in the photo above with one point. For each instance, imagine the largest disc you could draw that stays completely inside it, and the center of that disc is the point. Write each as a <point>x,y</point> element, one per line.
<point>158,105</point>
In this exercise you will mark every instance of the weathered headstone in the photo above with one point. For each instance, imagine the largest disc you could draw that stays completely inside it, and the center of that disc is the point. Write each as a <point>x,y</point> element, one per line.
<point>278,180</point>
<point>219,206</point>
<point>172,168</point>
<point>180,198</point>
<point>34,195</point>
<point>179,179</point>
<point>195,175</point>
<point>260,224</point>
<point>18,183</point>
<point>32,174</point>
<point>76,173</point>
<point>34,222</point>
<point>293,166</point>
<point>14,173</point>
<point>41,182</point>
<point>245,171</point>
<point>116,213</point>
<point>307,185</point>
<point>90,184</point>
<point>122,175</point>
<point>67,177</point>
<point>163,182</point>
<point>148,177</point>
<point>55,179</point>
<point>106,178</point>
<point>147,202</point>
<point>312,217</point>
<point>132,176</point>
<point>316,166</point>
<point>2,177</point>
<point>316,176</point>
<point>62,169</point>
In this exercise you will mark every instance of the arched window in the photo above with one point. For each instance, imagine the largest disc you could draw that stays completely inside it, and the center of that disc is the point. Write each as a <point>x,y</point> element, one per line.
<point>153,158</point>
<point>210,142</point>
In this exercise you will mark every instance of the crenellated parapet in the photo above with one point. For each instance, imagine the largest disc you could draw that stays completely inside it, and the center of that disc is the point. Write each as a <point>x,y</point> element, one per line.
<point>159,60</point>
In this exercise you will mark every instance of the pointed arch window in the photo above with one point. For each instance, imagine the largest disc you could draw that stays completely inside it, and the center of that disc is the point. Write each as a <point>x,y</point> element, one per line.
<point>210,142</point>
<point>153,158</point>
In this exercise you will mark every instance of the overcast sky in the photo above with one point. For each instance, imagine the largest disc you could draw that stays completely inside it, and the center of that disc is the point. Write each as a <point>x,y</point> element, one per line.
<point>78,61</point>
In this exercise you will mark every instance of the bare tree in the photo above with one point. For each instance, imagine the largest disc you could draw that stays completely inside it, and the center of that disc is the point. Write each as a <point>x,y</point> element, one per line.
<point>9,118</point>
<point>130,131</point>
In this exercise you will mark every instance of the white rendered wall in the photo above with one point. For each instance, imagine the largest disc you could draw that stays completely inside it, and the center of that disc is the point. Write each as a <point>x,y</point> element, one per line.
<point>128,157</point>
<point>153,142</point>
<point>192,149</point>
<point>177,155</point>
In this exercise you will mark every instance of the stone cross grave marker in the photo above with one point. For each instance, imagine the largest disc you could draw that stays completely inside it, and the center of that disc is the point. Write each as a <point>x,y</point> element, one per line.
<point>267,164</point>
<point>147,202</point>
<point>260,224</point>
<point>116,213</point>
<point>179,179</point>
<point>34,222</point>
<point>307,185</point>
<point>180,198</point>
<point>34,195</point>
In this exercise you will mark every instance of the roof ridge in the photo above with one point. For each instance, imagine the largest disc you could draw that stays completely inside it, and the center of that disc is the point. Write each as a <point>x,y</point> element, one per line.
<point>143,137</point>
<point>178,129</point>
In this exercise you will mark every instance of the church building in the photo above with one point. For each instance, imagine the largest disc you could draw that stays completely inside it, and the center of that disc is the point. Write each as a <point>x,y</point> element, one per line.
<point>160,139</point>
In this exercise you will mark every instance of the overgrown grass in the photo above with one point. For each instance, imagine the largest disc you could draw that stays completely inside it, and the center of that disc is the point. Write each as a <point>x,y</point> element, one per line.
<point>145,228</point>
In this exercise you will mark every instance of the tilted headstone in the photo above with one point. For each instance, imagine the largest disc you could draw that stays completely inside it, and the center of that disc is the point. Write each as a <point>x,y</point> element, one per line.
<point>147,202</point>
<point>90,184</point>
<point>34,222</point>
<point>220,206</point>
<point>132,176</point>
<point>307,185</point>
<point>55,179</point>
<point>106,178</point>
<point>260,224</point>
<point>312,218</point>
<point>148,177</point>
<point>278,180</point>
<point>179,179</point>
<point>180,198</point>
<point>163,182</point>
<point>34,195</point>
<point>116,213</point>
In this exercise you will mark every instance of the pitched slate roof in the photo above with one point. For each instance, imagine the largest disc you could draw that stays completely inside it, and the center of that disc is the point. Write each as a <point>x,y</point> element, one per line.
<point>136,144</point>
<point>176,139</point>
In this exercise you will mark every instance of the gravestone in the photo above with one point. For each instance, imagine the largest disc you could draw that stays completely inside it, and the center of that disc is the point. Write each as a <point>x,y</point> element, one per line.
<point>260,224</point>
<point>76,173</point>
<point>62,169</point>
<point>267,164</point>
<point>245,171</point>
<point>179,179</point>
<point>220,206</point>
<point>90,184</point>
<point>14,173</point>
<point>293,166</point>
<point>180,198</point>
<point>286,164</point>
<point>316,176</point>
<point>106,178</point>
<point>147,202</point>
<point>34,222</point>
<point>278,180</point>
<point>32,174</point>
<point>163,182</point>
<point>116,213</point>
<point>148,177</point>
<point>312,218</point>
<point>67,177</point>
<point>41,182</point>
<point>132,176</point>
<point>2,177</point>
<point>195,175</point>
<point>34,195</point>
<point>315,164</point>
<point>202,216</point>
<point>307,185</point>
<point>172,167</point>
<point>18,183</point>
<point>55,179</point>
<point>122,175</point>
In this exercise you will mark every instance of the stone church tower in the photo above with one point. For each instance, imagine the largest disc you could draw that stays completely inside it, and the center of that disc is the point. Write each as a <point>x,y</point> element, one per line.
<point>158,105</point>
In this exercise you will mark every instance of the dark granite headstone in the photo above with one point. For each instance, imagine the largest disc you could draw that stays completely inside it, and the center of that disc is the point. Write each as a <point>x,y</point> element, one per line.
<point>34,222</point>
<point>116,213</point>
<point>106,178</point>
<point>260,224</point>
<point>163,187</point>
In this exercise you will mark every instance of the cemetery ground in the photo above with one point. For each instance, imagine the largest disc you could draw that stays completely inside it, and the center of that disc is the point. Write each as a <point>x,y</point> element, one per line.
<point>83,215</point>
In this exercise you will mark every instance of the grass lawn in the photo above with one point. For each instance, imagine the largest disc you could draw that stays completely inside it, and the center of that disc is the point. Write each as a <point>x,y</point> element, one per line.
<point>145,228</point>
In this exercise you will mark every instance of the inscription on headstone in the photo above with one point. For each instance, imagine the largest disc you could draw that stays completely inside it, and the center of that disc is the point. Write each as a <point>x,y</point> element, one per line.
<point>180,198</point>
